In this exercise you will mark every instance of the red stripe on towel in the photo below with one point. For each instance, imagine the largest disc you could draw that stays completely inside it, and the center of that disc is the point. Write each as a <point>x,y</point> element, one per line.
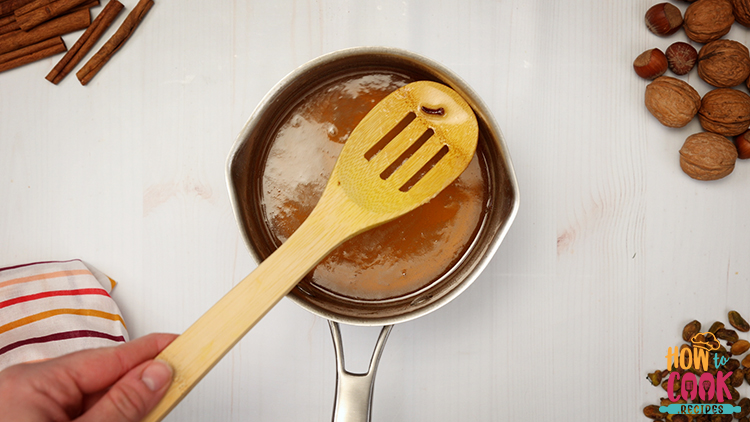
<point>61,336</point>
<point>53,294</point>
<point>38,262</point>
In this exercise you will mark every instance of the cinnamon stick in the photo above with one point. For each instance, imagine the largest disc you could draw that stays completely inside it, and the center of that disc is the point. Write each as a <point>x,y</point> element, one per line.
<point>86,42</point>
<point>86,5</point>
<point>7,7</point>
<point>59,26</point>
<point>8,24</point>
<point>7,19</point>
<point>31,53</point>
<point>9,28</point>
<point>41,11</point>
<point>94,65</point>
<point>35,4</point>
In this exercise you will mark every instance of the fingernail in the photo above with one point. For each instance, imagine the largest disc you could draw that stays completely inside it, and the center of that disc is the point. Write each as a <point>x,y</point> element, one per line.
<point>156,375</point>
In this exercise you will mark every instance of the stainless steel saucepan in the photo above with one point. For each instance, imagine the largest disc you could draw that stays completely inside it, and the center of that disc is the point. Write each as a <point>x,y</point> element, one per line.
<point>244,175</point>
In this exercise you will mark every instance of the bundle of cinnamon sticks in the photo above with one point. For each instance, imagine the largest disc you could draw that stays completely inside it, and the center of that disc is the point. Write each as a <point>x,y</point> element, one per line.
<point>31,30</point>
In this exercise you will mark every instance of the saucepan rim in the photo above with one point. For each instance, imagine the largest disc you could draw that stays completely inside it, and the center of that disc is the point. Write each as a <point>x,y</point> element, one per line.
<point>504,193</point>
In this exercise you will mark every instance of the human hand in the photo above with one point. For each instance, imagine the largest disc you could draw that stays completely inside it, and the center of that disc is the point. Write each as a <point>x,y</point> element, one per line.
<point>110,384</point>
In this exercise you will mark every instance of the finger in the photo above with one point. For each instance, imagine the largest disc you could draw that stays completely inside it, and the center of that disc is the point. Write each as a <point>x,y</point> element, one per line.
<point>96,369</point>
<point>90,400</point>
<point>21,400</point>
<point>131,398</point>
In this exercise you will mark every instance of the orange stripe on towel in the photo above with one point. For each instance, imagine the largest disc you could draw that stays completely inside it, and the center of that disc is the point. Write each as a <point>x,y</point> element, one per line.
<point>48,314</point>
<point>43,277</point>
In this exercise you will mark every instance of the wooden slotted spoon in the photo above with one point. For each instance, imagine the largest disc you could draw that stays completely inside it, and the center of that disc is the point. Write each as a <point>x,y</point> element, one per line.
<point>406,150</point>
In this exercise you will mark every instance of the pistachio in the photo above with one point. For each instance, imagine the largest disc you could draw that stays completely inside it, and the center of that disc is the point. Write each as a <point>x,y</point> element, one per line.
<point>738,322</point>
<point>739,347</point>
<point>655,378</point>
<point>722,355</point>
<point>721,418</point>
<point>745,405</point>
<point>731,365</point>
<point>737,378</point>
<point>676,386</point>
<point>692,328</point>
<point>706,339</point>
<point>727,335</point>
<point>734,393</point>
<point>652,411</point>
<point>666,402</point>
<point>715,326</point>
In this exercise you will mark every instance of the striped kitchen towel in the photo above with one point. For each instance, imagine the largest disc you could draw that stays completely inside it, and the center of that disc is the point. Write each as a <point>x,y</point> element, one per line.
<point>48,309</point>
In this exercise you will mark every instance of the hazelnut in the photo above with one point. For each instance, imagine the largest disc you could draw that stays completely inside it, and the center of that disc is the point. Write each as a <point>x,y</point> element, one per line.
<point>663,19</point>
<point>681,57</point>
<point>707,156</point>
<point>673,102</point>
<point>742,142</point>
<point>724,63</point>
<point>742,12</point>
<point>650,64</point>
<point>725,111</point>
<point>708,20</point>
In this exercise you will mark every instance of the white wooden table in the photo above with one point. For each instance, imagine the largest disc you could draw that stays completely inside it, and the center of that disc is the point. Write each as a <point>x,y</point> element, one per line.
<point>613,251</point>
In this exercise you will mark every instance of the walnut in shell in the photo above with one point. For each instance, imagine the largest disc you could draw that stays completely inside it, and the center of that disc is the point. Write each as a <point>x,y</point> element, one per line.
<point>725,111</point>
<point>742,12</point>
<point>707,156</point>
<point>708,20</point>
<point>724,63</point>
<point>672,101</point>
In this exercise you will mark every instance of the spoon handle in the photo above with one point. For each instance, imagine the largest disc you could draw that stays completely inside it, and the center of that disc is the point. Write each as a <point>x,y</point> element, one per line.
<point>204,343</point>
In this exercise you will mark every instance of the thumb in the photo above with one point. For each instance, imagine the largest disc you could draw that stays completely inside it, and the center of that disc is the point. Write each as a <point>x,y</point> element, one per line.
<point>134,395</point>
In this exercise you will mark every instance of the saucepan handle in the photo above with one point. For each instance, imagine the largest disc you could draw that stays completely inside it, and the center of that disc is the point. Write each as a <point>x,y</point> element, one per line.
<point>353,402</point>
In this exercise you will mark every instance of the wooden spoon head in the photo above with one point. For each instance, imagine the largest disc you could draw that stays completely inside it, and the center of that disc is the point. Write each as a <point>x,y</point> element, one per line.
<point>407,149</point>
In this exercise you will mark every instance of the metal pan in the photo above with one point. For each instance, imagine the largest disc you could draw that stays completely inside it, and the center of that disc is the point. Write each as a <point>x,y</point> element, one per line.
<point>244,174</point>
